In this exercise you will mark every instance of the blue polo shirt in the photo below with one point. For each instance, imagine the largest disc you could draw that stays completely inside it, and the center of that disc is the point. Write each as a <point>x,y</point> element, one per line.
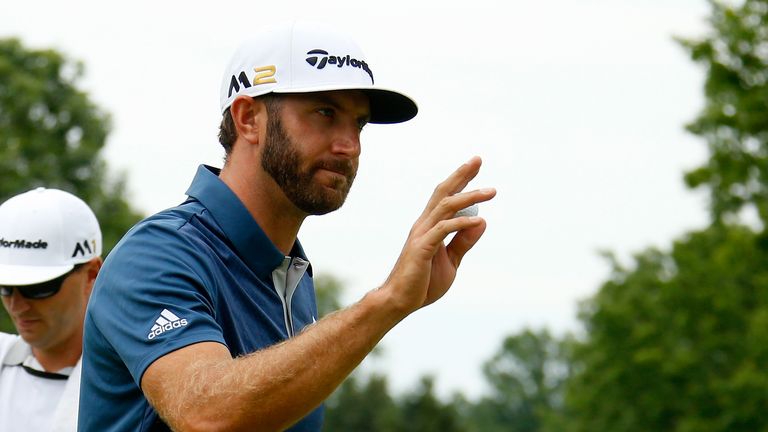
<point>202,271</point>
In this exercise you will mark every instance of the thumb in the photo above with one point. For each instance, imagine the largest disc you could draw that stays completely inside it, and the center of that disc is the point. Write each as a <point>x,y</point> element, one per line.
<point>463,241</point>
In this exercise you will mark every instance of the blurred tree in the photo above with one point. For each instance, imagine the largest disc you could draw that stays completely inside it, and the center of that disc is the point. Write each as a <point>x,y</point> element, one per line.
<point>362,405</point>
<point>51,135</point>
<point>733,121</point>
<point>422,411</point>
<point>328,291</point>
<point>526,378</point>
<point>676,341</point>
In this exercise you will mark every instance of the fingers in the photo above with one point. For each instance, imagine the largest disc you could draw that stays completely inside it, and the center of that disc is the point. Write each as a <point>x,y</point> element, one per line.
<point>427,267</point>
<point>463,241</point>
<point>438,221</point>
<point>455,183</point>
<point>448,206</point>
<point>435,236</point>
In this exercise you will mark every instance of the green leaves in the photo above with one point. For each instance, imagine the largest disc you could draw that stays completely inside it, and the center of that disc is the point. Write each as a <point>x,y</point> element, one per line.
<point>50,129</point>
<point>677,350</point>
<point>676,341</point>
<point>526,377</point>
<point>734,122</point>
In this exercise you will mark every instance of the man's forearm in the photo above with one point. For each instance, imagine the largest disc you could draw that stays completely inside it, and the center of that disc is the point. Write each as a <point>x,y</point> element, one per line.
<point>272,388</point>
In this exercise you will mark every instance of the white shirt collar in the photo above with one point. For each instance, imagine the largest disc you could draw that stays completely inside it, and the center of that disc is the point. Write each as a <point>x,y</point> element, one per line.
<point>21,354</point>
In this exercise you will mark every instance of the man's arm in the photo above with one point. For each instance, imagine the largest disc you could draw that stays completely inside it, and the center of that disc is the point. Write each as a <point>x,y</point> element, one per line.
<point>200,387</point>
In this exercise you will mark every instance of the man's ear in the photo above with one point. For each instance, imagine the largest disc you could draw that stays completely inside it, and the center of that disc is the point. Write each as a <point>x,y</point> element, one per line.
<point>249,117</point>
<point>92,268</point>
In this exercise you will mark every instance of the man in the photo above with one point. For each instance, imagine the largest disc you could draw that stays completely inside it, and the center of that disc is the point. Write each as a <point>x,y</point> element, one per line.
<point>50,248</point>
<point>204,317</point>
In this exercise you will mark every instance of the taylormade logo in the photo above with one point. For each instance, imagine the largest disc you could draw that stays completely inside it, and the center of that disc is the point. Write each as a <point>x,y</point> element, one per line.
<point>19,244</point>
<point>166,321</point>
<point>320,58</point>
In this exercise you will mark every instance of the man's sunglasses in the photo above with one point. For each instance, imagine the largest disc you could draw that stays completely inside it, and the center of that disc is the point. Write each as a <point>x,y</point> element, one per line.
<point>41,290</point>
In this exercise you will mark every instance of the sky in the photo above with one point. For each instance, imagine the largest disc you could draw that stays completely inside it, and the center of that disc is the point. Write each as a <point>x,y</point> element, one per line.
<point>577,108</point>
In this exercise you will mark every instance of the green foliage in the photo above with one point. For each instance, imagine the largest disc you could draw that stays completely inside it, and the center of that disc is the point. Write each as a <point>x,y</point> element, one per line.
<point>365,404</point>
<point>678,342</point>
<point>6,325</point>
<point>362,405</point>
<point>51,135</point>
<point>526,378</point>
<point>423,411</point>
<point>733,122</point>
<point>328,290</point>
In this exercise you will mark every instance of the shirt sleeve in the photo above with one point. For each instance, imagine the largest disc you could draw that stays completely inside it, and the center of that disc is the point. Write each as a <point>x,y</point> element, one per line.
<point>154,295</point>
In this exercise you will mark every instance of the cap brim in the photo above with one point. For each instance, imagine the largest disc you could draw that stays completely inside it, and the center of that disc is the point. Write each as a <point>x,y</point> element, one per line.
<point>387,106</point>
<point>30,275</point>
<point>390,107</point>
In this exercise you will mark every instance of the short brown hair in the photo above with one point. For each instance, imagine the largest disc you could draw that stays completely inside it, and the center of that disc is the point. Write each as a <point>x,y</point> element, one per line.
<point>227,130</point>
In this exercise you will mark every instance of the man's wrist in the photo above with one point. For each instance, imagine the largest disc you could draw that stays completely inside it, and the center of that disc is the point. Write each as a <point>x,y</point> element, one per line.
<point>384,305</point>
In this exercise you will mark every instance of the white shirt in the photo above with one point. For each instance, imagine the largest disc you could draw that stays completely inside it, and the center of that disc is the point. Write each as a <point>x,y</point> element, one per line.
<point>29,402</point>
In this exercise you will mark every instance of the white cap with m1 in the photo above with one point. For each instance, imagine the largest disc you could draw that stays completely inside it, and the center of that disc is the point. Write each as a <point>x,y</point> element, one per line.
<point>303,57</point>
<point>43,234</point>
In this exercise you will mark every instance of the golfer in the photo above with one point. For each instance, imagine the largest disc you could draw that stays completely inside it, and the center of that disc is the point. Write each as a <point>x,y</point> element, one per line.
<point>204,316</point>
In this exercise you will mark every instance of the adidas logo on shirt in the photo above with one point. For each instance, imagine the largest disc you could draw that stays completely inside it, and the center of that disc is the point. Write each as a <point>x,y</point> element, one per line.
<point>166,321</point>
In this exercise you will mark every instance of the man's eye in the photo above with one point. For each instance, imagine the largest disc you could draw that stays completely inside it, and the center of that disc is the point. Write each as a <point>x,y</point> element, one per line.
<point>361,124</point>
<point>327,112</point>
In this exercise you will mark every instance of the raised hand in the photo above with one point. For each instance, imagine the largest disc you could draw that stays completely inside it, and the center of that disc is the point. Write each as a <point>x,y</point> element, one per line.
<point>427,266</point>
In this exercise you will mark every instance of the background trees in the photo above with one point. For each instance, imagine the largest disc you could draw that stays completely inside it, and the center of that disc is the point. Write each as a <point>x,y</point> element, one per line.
<point>733,121</point>
<point>675,340</point>
<point>526,378</point>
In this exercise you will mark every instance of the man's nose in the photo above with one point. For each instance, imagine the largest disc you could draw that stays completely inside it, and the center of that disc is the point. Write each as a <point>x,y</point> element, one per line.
<point>347,141</point>
<point>16,302</point>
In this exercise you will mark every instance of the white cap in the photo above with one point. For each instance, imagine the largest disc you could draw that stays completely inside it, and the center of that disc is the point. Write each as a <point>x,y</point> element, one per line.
<point>302,57</point>
<point>43,234</point>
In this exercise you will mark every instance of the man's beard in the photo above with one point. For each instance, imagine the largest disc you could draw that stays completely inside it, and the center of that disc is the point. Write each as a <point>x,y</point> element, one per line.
<point>282,161</point>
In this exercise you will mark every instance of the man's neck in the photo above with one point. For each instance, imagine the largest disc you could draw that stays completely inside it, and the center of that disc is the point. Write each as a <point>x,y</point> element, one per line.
<point>270,208</point>
<point>58,358</point>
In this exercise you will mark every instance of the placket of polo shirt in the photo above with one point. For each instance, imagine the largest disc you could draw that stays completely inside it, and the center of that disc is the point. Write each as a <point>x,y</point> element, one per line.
<point>286,279</point>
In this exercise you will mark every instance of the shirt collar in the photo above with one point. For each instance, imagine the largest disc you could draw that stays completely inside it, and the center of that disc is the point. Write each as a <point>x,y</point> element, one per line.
<point>20,354</point>
<point>252,244</point>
